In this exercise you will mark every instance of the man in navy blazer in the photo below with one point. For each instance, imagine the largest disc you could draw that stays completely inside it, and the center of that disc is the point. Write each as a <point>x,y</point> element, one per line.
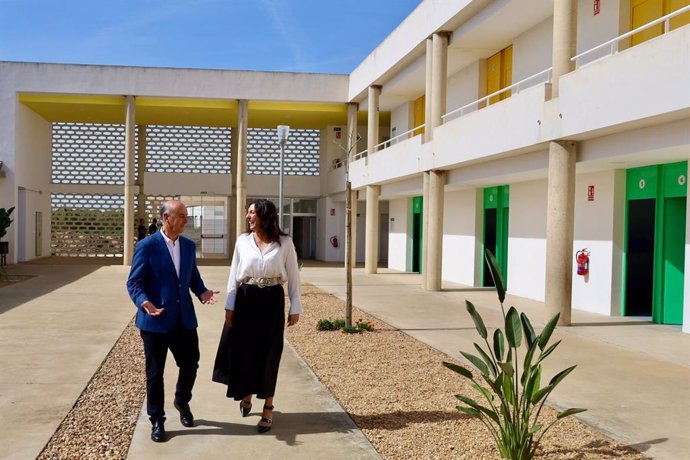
<point>162,274</point>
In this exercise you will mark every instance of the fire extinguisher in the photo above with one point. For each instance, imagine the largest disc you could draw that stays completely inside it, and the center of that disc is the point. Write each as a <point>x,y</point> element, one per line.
<point>334,241</point>
<point>582,259</point>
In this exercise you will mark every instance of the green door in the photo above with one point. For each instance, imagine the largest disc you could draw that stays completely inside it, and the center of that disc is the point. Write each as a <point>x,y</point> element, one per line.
<point>417,220</point>
<point>655,242</point>
<point>495,237</point>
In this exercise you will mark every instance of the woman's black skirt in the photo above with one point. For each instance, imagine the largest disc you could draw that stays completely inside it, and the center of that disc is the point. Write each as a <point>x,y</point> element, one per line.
<point>249,352</point>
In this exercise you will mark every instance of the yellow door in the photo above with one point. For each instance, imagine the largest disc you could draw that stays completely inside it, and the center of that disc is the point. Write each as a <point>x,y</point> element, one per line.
<point>506,70</point>
<point>493,76</point>
<point>644,11</point>
<point>419,106</point>
<point>681,19</point>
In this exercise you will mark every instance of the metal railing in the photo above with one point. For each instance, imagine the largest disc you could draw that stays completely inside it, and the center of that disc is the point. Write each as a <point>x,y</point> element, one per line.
<point>613,43</point>
<point>387,143</point>
<point>515,86</point>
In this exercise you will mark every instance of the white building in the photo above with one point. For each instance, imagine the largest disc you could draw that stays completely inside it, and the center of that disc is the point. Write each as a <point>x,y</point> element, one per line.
<point>534,128</point>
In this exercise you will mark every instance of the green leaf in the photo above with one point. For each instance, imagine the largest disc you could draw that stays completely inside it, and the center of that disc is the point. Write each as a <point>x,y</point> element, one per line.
<point>487,394</point>
<point>527,328</point>
<point>507,368</point>
<point>533,383</point>
<point>561,375</point>
<point>477,318</point>
<point>548,330</point>
<point>535,428</point>
<point>541,394</point>
<point>476,362</point>
<point>474,405</point>
<point>527,364</point>
<point>548,351</point>
<point>508,390</point>
<point>469,411</point>
<point>496,275</point>
<point>459,369</point>
<point>495,385</point>
<point>513,328</point>
<point>571,411</point>
<point>499,344</point>
<point>487,359</point>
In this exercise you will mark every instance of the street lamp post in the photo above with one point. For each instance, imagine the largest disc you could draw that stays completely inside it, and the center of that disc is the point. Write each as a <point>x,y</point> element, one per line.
<point>282,136</point>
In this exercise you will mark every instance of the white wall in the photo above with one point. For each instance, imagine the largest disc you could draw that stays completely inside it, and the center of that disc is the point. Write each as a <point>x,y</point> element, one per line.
<point>594,30</point>
<point>464,87</point>
<point>532,51</point>
<point>459,236</point>
<point>402,119</point>
<point>527,239</point>
<point>400,234</point>
<point>331,225</point>
<point>594,230</point>
<point>33,173</point>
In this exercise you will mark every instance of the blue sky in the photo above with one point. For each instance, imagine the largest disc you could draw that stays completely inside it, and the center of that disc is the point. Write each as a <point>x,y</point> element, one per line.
<point>324,36</point>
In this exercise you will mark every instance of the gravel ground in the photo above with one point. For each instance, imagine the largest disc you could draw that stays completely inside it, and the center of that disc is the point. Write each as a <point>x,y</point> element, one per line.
<point>393,386</point>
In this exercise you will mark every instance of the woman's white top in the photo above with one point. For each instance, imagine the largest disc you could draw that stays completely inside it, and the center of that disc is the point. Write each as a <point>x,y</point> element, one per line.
<point>277,261</point>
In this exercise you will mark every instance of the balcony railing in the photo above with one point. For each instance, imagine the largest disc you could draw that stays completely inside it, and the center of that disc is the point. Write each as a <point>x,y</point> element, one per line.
<point>614,42</point>
<point>515,86</point>
<point>389,142</point>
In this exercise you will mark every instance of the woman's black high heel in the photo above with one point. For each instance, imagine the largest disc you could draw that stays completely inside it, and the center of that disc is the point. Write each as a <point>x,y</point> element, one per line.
<point>269,421</point>
<point>244,408</point>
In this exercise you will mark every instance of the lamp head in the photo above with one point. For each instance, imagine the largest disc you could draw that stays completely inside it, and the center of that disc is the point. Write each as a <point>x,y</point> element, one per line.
<point>282,133</point>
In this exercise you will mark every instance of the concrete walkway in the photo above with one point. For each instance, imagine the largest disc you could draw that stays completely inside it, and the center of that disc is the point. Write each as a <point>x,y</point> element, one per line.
<point>56,328</point>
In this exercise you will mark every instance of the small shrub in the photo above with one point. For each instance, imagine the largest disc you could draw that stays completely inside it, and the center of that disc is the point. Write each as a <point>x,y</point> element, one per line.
<point>514,401</point>
<point>328,325</point>
<point>351,330</point>
<point>364,325</point>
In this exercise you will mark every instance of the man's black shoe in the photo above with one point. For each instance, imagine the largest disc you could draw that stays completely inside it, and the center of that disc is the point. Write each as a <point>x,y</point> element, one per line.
<point>158,432</point>
<point>186,417</point>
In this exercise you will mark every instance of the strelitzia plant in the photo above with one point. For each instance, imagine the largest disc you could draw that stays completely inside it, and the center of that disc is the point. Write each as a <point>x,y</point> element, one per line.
<point>511,385</point>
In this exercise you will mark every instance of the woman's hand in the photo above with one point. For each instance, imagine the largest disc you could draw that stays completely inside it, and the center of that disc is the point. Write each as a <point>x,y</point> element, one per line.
<point>292,319</point>
<point>228,317</point>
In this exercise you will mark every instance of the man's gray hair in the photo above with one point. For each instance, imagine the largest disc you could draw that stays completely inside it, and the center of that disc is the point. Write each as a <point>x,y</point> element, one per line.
<point>163,208</point>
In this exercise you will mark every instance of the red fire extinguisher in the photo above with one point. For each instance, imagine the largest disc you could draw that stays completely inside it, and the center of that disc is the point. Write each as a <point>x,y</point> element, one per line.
<point>334,241</point>
<point>582,259</point>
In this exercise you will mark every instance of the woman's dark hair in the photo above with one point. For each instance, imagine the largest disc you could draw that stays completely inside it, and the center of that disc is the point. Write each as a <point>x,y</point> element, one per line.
<point>268,219</point>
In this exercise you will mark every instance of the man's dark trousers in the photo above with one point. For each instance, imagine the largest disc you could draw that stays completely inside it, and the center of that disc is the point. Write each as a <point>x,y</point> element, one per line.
<point>184,345</point>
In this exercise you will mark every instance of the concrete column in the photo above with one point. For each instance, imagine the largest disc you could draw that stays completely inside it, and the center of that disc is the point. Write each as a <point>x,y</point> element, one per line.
<point>559,229</point>
<point>141,164</point>
<point>373,119</point>
<point>241,167</point>
<point>439,80</point>
<point>437,180</point>
<point>231,212</point>
<point>427,89</point>
<point>425,227</point>
<point>564,40</point>
<point>371,249</point>
<point>354,202</point>
<point>351,195</point>
<point>130,186</point>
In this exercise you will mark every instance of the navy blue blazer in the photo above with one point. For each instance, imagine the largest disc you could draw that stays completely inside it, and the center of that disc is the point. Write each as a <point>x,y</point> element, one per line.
<point>152,277</point>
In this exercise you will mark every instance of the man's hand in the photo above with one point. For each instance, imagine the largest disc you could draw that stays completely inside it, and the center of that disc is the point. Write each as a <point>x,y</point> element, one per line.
<point>229,314</point>
<point>151,309</point>
<point>208,296</point>
<point>292,319</point>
